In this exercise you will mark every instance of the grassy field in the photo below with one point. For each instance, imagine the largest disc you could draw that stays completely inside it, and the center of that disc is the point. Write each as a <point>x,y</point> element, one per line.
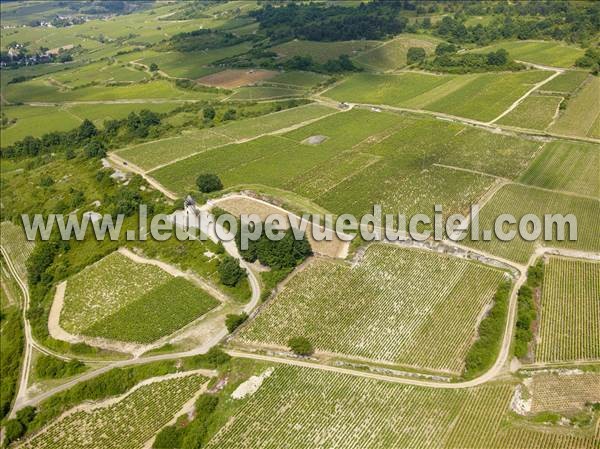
<point>388,308</point>
<point>535,112</point>
<point>265,93</point>
<point>19,248</point>
<point>570,311</point>
<point>307,408</point>
<point>551,53</point>
<point>192,65</point>
<point>106,298</point>
<point>40,90</point>
<point>322,51</point>
<point>298,79</point>
<point>582,116</point>
<point>35,121</point>
<point>151,154</point>
<point>481,97</point>
<point>566,82</point>
<point>126,424</point>
<point>568,166</point>
<point>392,54</point>
<point>518,201</point>
<point>98,73</point>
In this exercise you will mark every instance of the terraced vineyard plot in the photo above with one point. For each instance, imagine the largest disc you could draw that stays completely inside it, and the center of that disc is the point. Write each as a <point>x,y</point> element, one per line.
<point>252,127</point>
<point>570,311</point>
<point>307,408</point>
<point>397,305</point>
<point>553,54</point>
<point>535,112</point>
<point>582,116</point>
<point>179,301</point>
<point>487,96</point>
<point>392,54</point>
<point>299,79</point>
<point>518,201</point>
<point>98,113</point>
<point>566,82</point>
<point>152,154</point>
<point>568,166</point>
<point>105,287</point>
<point>564,392</point>
<point>126,424</point>
<point>13,240</point>
<point>99,72</point>
<point>393,90</point>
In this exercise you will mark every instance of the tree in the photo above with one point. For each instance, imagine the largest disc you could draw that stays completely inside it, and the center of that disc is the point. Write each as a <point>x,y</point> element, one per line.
<point>233,321</point>
<point>70,154</point>
<point>94,149</point>
<point>26,415</point>
<point>230,114</point>
<point>444,48</point>
<point>230,271</point>
<point>217,357</point>
<point>153,67</point>
<point>86,130</point>
<point>415,55</point>
<point>301,346</point>
<point>209,113</point>
<point>13,430</point>
<point>169,437</point>
<point>498,58</point>
<point>208,182</point>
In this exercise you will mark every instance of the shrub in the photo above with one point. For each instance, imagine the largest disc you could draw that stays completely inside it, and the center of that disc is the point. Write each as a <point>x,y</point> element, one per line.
<point>208,182</point>
<point>95,149</point>
<point>13,430</point>
<point>301,346</point>
<point>48,367</point>
<point>208,113</point>
<point>169,437</point>
<point>153,67</point>
<point>415,55</point>
<point>233,321</point>
<point>230,271</point>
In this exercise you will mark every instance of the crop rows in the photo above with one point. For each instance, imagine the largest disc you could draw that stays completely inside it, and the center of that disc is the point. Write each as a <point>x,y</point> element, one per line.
<point>568,166</point>
<point>397,305</point>
<point>570,311</point>
<point>554,54</point>
<point>582,116</point>
<point>564,392</point>
<point>103,288</point>
<point>566,82</point>
<point>129,423</point>
<point>305,408</point>
<point>535,112</point>
<point>18,247</point>
<point>518,200</point>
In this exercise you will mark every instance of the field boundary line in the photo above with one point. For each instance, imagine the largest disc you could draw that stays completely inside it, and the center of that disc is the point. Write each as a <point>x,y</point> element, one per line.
<point>469,170</point>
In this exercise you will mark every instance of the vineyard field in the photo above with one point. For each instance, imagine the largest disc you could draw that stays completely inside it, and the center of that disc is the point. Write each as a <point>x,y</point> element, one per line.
<point>564,392</point>
<point>322,51</point>
<point>570,311</point>
<point>397,305</point>
<point>125,424</point>
<point>307,408</point>
<point>14,241</point>
<point>518,201</point>
<point>568,166</point>
<point>554,54</point>
<point>582,115</point>
<point>106,298</point>
<point>566,82</point>
<point>535,112</point>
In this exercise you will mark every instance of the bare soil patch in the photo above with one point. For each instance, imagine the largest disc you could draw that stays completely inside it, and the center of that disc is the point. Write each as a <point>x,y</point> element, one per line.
<point>230,79</point>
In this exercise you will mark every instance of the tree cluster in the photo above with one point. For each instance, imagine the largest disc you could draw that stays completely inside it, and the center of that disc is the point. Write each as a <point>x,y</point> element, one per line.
<point>320,22</point>
<point>590,60</point>
<point>445,61</point>
<point>527,310</point>
<point>48,367</point>
<point>203,39</point>
<point>286,252</point>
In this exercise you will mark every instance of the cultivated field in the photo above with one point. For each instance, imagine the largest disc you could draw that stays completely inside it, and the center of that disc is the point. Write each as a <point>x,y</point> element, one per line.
<point>106,298</point>
<point>265,93</point>
<point>163,151</point>
<point>298,79</point>
<point>396,305</point>
<point>518,200</point>
<point>322,51</point>
<point>570,311</point>
<point>307,408</point>
<point>392,54</point>
<point>564,392</point>
<point>127,423</point>
<point>535,112</point>
<point>553,54</point>
<point>13,240</point>
<point>35,121</point>
<point>231,78</point>
<point>582,116</point>
<point>568,166</point>
<point>488,94</point>
<point>566,82</point>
